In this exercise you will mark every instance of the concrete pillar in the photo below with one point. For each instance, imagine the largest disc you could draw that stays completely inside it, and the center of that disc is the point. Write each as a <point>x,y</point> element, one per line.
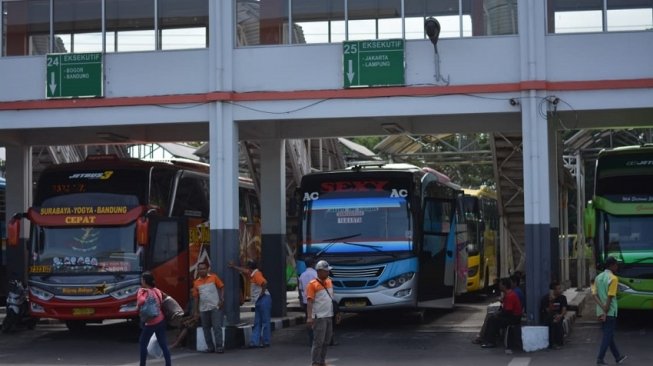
<point>273,221</point>
<point>581,278</point>
<point>223,136</point>
<point>223,139</point>
<point>556,188</point>
<point>540,194</point>
<point>18,198</point>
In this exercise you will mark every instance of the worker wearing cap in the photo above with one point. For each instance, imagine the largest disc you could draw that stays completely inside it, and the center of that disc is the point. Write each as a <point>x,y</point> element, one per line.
<point>319,312</point>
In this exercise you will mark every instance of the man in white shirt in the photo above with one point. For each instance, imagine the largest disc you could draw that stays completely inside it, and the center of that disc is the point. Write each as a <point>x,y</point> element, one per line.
<point>304,279</point>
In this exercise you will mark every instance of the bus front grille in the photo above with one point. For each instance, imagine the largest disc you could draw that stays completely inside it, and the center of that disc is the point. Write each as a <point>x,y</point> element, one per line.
<point>340,284</point>
<point>341,272</point>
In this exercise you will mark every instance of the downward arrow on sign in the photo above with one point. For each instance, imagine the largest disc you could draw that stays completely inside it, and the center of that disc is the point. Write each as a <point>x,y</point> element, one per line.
<point>53,84</point>
<point>350,73</point>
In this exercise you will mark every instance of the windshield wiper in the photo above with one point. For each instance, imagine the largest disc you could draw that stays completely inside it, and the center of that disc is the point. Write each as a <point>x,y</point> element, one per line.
<point>342,240</point>
<point>375,247</point>
<point>332,241</point>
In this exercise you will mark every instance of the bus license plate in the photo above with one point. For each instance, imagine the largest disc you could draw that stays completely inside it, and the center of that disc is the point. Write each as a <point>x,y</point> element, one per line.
<point>355,303</point>
<point>83,311</point>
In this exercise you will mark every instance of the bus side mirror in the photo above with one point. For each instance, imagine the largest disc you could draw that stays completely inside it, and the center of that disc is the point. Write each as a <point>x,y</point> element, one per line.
<point>142,231</point>
<point>13,230</point>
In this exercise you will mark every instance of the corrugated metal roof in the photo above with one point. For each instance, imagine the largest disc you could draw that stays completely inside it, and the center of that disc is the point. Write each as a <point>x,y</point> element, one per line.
<point>406,144</point>
<point>180,150</point>
<point>358,148</point>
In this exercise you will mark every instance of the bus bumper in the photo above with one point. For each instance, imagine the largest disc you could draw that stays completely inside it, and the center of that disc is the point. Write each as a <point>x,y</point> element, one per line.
<point>378,298</point>
<point>474,283</point>
<point>107,308</point>
<point>635,300</point>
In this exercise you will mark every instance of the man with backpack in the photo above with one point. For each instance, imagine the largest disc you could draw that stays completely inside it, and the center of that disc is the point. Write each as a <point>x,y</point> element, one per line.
<point>148,300</point>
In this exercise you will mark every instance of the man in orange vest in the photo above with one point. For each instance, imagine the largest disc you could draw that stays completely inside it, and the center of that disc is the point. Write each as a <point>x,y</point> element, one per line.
<point>319,312</point>
<point>208,291</point>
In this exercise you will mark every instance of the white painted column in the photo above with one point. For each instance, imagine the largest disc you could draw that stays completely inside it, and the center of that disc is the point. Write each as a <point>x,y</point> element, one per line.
<point>223,142</point>
<point>18,198</point>
<point>539,195</point>
<point>273,221</point>
<point>224,205</point>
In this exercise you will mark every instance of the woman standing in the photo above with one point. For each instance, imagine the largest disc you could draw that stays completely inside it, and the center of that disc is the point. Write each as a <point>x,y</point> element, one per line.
<point>260,296</point>
<point>157,324</point>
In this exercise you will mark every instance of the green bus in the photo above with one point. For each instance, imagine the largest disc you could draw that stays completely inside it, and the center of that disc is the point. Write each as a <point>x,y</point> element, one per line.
<point>619,220</point>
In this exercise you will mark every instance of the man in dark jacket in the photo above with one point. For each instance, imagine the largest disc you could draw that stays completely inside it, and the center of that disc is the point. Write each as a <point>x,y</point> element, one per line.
<point>553,308</point>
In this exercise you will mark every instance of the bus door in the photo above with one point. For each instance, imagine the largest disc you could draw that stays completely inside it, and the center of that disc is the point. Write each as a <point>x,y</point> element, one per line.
<point>437,256</point>
<point>167,254</point>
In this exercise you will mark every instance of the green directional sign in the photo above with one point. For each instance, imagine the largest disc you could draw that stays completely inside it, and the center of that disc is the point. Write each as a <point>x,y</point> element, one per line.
<point>373,63</point>
<point>71,75</point>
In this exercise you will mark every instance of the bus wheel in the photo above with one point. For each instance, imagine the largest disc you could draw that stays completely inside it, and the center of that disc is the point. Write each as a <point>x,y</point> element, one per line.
<point>424,316</point>
<point>75,325</point>
<point>421,316</point>
<point>32,323</point>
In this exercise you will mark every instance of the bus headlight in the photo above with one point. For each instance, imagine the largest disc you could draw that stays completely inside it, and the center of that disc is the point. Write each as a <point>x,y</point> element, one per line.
<point>403,293</point>
<point>36,308</point>
<point>623,288</point>
<point>399,280</point>
<point>128,308</point>
<point>472,271</point>
<point>124,293</point>
<point>40,294</point>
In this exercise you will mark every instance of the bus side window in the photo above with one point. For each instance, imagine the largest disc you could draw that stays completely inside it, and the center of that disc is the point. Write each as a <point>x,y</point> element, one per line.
<point>165,242</point>
<point>161,188</point>
<point>436,218</point>
<point>192,196</point>
<point>436,215</point>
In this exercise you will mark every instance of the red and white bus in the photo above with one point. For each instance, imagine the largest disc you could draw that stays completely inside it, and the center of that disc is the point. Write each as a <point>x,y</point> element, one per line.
<point>97,225</point>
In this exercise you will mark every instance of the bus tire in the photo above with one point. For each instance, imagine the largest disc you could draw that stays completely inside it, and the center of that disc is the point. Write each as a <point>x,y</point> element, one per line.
<point>424,316</point>
<point>31,324</point>
<point>76,325</point>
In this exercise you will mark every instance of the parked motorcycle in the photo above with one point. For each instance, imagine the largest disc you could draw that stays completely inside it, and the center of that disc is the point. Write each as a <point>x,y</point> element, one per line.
<point>17,315</point>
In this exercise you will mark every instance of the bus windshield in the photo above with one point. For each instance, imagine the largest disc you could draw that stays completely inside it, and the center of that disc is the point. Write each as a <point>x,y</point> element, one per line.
<point>118,182</point>
<point>357,225</point>
<point>84,249</point>
<point>628,233</point>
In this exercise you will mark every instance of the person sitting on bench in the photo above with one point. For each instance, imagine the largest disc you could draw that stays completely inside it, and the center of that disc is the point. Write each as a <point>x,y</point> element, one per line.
<point>553,307</point>
<point>510,314</point>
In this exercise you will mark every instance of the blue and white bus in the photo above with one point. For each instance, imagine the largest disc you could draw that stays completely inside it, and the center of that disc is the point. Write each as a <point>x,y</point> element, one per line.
<point>391,232</point>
